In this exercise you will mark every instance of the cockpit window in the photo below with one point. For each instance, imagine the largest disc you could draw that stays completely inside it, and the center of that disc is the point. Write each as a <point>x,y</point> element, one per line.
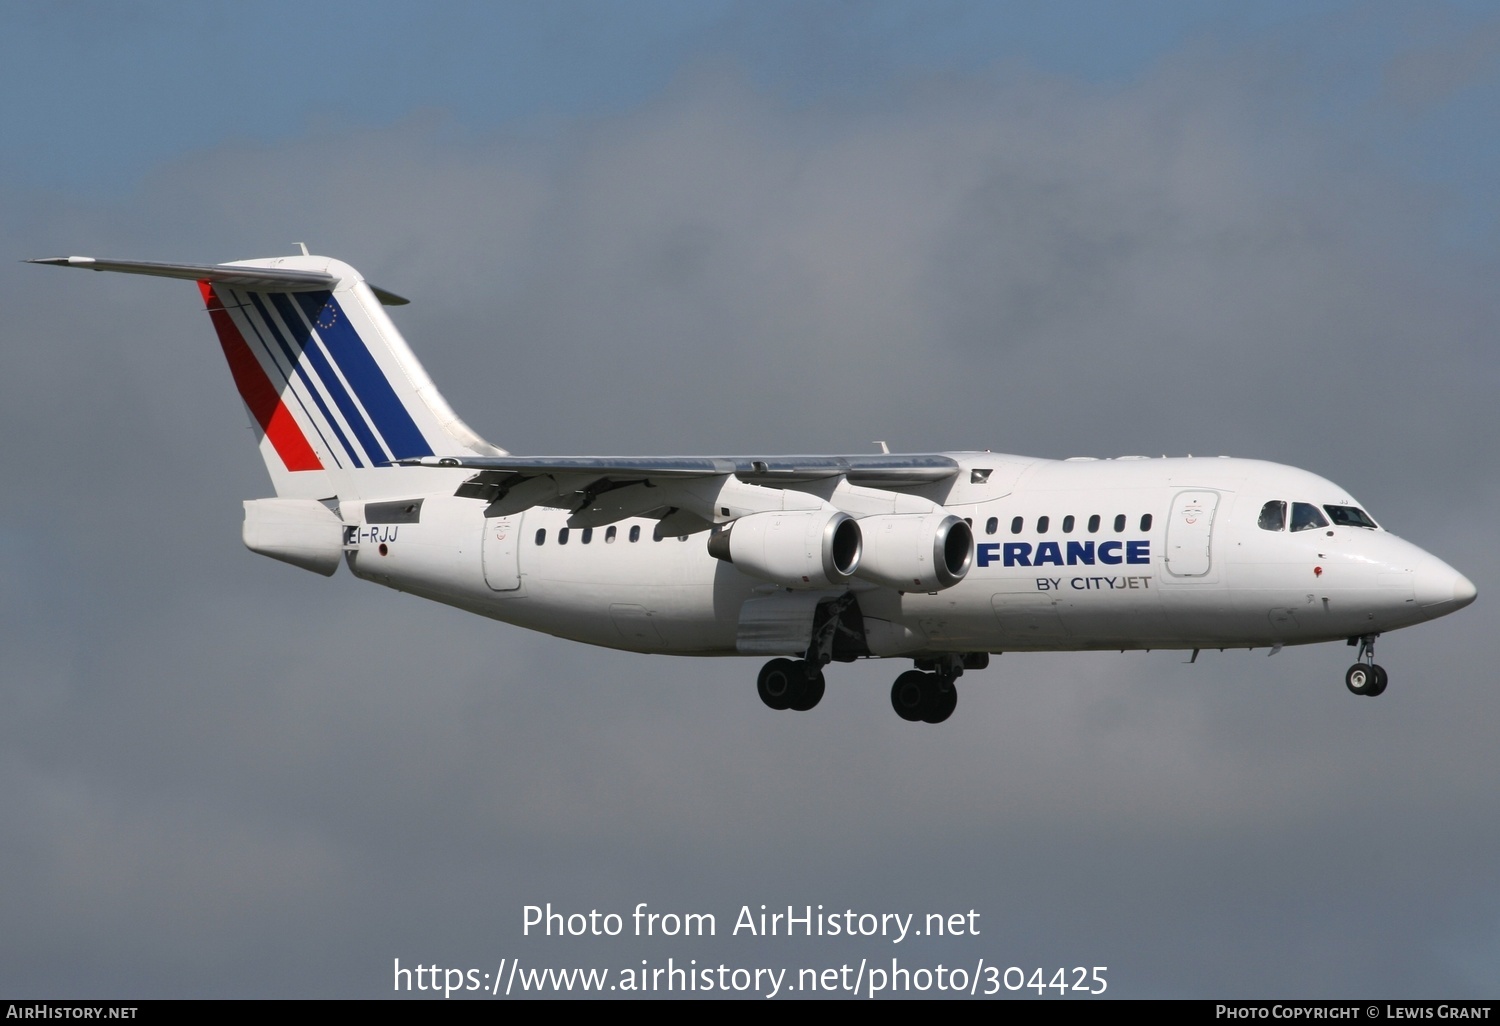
<point>1349,516</point>
<point>1305,517</point>
<point>1273,516</point>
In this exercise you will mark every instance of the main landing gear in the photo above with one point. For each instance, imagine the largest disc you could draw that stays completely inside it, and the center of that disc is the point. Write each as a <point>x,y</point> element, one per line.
<point>929,697</point>
<point>932,696</point>
<point>927,693</point>
<point>1365,677</point>
<point>790,684</point>
<point>798,683</point>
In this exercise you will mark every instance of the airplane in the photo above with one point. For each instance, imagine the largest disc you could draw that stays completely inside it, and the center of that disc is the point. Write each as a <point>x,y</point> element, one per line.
<point>940,558</point>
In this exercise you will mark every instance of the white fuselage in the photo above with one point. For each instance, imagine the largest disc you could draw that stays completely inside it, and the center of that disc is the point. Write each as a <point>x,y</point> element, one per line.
<point>1069,555</point>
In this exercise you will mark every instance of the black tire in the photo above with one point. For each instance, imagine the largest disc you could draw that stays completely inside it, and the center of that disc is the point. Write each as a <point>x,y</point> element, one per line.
<point>1381,680</point>
<point>777,683</point>
<point>942,699</point>
<point>909,695</point>
<point>1360,679</point>
<point>808,693</point>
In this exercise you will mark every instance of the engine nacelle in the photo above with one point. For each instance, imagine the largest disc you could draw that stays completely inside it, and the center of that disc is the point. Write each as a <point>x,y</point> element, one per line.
<point>916,552</point>
<point>802,549</point>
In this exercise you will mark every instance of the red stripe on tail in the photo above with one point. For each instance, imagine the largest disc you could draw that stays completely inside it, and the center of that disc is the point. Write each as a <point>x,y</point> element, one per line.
<point>257,391</point>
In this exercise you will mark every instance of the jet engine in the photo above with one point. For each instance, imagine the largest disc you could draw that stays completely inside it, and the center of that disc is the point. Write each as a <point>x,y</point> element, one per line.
<point>916,552</point>
<point>803,549</point>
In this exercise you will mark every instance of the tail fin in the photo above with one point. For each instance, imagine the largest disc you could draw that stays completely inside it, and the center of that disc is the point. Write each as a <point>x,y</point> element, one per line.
<point>332,388</point>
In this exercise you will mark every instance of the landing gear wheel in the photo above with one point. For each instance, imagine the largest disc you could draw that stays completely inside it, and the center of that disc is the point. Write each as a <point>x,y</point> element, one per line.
<point>777,682</point>
<point>930,697</point>
<point>908,695</point>
<point>809,692</point>
<point>1366,679</point>
<point>942,699</point>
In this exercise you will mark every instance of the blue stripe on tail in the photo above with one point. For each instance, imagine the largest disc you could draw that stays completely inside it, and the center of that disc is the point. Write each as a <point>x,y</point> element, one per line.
<point>290,360</point>
<point>389,415</point>
<point>295,350</point>
<point>353,416</point>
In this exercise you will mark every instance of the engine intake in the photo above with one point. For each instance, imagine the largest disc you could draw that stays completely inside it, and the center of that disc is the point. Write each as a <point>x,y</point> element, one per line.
<point>916,552</point>
<point>804,549</point>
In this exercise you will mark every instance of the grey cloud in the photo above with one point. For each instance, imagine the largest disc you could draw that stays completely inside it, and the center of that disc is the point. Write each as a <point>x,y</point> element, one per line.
<point>1436,69</point>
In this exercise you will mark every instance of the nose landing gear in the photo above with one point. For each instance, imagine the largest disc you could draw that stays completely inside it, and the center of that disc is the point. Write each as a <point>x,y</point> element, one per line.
<point>1366,677</point>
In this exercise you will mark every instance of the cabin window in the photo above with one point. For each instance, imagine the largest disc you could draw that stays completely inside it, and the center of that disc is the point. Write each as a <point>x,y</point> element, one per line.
<point>1017,524</point>
<point>1145,521</point>
<point>1273,516</point>
<point>1042,523</point>
<point>1350,516</point>
<point>541,535</point>
<point>635,532</point>
<point>1094,524</point>
<point>992,525</point>
<point>588,535</point>
<point>1068,524</point>
<point>1305,517</point>
<point>609,534</point>
<point>1119,523</point>
<point>562,536</point>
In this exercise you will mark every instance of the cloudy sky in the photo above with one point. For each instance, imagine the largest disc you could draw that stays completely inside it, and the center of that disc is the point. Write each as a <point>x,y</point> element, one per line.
<point>1266,230</point>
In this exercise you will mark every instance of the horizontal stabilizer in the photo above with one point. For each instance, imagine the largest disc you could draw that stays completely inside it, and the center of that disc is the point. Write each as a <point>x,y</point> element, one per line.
<point>260,279</point>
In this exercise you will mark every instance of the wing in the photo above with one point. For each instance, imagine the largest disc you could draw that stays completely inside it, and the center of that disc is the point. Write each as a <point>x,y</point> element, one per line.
<point>695,491</point>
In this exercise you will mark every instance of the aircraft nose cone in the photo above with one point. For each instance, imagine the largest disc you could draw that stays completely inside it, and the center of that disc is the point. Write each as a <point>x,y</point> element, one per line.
<point>1442,590</point>
<point>1464,591</point>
